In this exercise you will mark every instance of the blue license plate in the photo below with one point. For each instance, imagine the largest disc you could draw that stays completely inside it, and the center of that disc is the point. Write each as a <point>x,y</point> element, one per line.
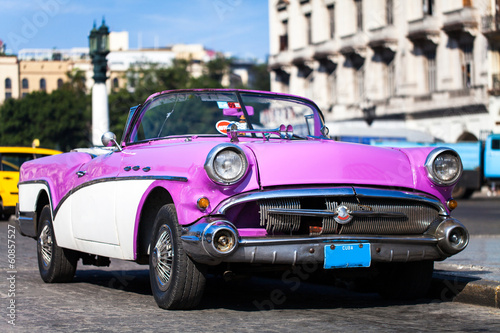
<point>347,255</point>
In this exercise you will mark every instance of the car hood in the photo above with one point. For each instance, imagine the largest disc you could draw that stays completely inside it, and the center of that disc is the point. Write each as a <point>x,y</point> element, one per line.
<point>330,162</point>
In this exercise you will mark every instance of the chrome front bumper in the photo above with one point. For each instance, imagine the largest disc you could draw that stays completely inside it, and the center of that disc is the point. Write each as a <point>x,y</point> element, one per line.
<point>446,237</point>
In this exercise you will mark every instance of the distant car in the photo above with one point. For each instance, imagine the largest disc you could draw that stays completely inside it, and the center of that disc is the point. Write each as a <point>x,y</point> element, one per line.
<point>11,159</point>
<point>212,180</point>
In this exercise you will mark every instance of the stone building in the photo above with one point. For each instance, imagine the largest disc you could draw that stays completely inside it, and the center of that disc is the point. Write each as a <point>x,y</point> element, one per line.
<point>391,65</point>
<point>9,78</point>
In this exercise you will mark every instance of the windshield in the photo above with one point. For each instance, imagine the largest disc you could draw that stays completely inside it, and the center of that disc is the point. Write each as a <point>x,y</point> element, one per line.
<point>210,112</point>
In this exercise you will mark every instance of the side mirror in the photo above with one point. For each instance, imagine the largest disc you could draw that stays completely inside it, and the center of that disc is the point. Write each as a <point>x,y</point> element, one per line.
<point>109,139</point>
<point>325,131</point>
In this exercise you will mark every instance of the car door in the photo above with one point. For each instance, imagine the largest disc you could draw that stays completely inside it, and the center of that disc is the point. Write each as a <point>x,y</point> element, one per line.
<point>492,157</point>
<point>9,177</point>
<point>93,200</point>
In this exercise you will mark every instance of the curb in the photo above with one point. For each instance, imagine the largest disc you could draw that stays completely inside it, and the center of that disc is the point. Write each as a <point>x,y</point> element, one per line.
<point>450,287</point>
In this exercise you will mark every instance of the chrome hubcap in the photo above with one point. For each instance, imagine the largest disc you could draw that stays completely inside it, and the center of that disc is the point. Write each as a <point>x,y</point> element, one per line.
<point>45,244</point>
<point>162,259</point>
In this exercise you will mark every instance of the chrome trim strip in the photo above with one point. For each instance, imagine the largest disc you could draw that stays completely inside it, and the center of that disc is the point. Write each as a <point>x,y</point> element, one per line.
<point>328,213</point>
<point>333,191</point>
<point>331,238</point>
<point>282,193</point>
<point>396,194</point>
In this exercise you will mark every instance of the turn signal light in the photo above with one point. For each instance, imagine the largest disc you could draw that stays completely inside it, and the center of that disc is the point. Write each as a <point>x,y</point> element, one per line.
<point>203,203</point>
<point>452,204</point>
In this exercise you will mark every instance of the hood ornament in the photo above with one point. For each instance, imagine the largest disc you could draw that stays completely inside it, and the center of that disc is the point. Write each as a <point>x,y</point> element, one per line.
<point>343,215</point>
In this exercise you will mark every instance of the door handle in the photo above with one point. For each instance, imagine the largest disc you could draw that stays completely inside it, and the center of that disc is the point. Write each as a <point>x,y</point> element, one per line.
<point>81,173</point>
<point>7,178</point>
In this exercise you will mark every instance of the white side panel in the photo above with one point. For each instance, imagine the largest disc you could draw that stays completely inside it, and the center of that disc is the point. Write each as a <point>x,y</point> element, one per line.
<point>28,194</point>
<point>92,213</point>
<point>129,194</point>
<point>62,226</point>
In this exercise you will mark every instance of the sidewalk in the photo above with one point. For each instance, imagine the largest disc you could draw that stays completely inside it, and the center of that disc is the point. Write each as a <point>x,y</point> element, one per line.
<point>472,276</point>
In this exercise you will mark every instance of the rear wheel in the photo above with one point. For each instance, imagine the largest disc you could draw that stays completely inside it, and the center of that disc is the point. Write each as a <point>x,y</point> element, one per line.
<point>176,281</point>
<point>409,280</point>
<point>54,263</point>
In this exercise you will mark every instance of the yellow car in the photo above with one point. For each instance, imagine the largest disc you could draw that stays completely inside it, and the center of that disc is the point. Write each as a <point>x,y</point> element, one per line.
<point>11,159</point>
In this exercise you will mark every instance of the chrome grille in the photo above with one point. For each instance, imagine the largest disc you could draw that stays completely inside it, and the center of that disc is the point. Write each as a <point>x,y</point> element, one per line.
<point>417,216</point>
<point>279,223</point>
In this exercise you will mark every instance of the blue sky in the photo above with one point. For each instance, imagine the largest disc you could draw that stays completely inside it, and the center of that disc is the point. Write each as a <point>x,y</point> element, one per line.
<point>239,27</point>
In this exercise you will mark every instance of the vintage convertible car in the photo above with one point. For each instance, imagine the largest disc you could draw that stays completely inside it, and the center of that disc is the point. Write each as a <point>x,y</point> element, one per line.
<point>204,179</point>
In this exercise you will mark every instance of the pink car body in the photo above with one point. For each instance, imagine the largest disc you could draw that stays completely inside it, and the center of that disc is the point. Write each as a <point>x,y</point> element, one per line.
<point>256,193</point>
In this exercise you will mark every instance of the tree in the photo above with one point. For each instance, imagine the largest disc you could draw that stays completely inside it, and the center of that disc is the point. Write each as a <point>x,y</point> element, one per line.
<point>60,120</point>
<point>261,79</point>
<point>151,78</point>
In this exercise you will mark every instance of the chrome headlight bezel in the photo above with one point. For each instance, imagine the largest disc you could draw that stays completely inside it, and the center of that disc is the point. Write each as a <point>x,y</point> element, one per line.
<point>211,168</point>
<point>433,174</point>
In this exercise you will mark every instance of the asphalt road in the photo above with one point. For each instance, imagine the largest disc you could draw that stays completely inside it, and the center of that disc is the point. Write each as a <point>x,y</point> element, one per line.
<point>480,214</point>
<point>118,298</point>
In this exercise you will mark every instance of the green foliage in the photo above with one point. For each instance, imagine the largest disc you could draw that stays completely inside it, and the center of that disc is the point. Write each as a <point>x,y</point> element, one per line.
<point>60,120</point>
<point>153,78</point>
<point>261,78</point>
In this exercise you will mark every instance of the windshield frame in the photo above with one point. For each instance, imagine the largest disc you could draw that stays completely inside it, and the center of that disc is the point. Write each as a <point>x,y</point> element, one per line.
<point>135,119</point>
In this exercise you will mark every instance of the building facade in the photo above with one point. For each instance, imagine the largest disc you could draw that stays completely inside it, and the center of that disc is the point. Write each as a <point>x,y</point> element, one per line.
<point>425,65</point>
<point>47,69</point>
<point>9,78</point>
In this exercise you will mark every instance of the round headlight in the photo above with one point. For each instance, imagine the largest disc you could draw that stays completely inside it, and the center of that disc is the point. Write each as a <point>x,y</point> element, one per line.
<point>444,166</point>
<point>226,164</point>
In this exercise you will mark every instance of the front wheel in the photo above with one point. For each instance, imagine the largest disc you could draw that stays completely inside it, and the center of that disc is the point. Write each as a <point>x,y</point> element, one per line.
<point>408,280</point>
<point>54,263</point>
<point>176,281</point>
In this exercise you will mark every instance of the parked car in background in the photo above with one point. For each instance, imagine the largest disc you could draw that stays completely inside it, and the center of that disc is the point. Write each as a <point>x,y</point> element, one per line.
<point>11,160</point>
<point>212,180</point>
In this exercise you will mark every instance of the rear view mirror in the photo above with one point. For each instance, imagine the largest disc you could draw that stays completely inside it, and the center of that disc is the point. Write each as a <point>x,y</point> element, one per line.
<point>238,112</point>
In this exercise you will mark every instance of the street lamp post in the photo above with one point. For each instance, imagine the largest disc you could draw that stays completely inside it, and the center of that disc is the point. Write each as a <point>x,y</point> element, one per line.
<point>99,48</point>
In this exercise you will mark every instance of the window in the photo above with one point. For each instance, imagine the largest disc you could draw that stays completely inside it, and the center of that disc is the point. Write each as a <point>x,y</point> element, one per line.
<point>431,70</point>
<point>59,83</point>
<point>391,78</point>
<point>360,83</point>
<point>331,16</point>
<point>8,83</point>
<point>284,79</point>
<point>467,3</point>
<point>359,14</point>
<point>284,36</point>
<point>25,84</point>
<point>43,84</point>
<point>309,85</point>
<point>389,12</point>
<point>8,95</point>
<point>308,29</point>
<point>467,65</point>
<point>13,161</point>
<point>495,144</point>
<point>332,87</point>
<point>115,83</point>
<point>428,7</point>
